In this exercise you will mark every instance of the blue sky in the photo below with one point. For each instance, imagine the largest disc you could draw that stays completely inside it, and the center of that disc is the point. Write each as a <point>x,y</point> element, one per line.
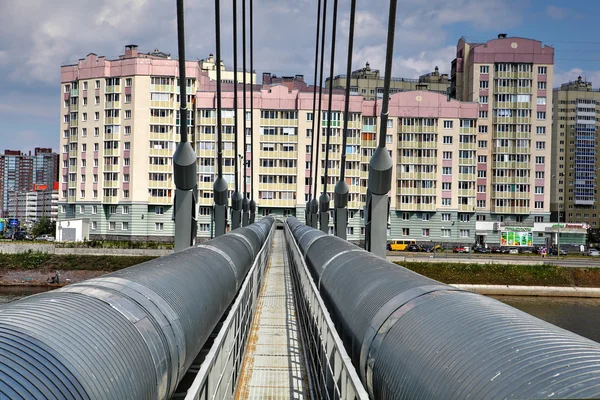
<point>38,36</point>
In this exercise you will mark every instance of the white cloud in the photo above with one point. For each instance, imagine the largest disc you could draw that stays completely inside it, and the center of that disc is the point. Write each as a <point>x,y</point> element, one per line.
<point>573,74</point>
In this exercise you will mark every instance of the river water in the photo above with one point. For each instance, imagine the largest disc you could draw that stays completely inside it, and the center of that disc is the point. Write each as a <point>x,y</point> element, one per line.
<point>581,316</point>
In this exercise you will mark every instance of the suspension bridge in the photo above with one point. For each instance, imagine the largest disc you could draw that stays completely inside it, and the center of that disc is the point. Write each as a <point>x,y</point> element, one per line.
<point>278,309</point>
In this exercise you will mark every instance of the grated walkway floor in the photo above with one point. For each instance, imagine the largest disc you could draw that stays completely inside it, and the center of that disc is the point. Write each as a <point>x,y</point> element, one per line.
<point>274,365</point>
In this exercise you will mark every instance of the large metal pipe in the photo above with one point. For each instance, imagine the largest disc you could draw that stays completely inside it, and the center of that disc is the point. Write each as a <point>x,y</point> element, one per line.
<point>131,334</point>
<point>411,337</point>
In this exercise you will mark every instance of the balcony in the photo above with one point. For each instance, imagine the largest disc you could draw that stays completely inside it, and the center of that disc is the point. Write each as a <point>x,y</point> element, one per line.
<point>110,200</point>
<point>111,168</point>
<point>467,146</point>
<point>73,153</point>
<point>369,128</point>
<point>160,200</point>
<point>161,152</point>
<point>161,120</point>
<point>279,122</point>
<point>466,161</point>
<point>72,184</point>
<point>168,184</point>
<point>112,120</point>
<point>211,121</point>
<point>111,152</point>
<point>73,123</point>
<point>510,210</point>
<point>112,89</point>
<point>110,184</point>
<point>112,104</point>
<point>277,171</point>
<point>161,168</point>
<point>466,177</point>
<point>511,179</point>
<point>505,104</point>
<point>71,199</point>
<point>161,104</point>
<point>276,203</point>
<point>73,107</point>
<point>510,195</point>
<point>291,187</point>
<point>466,208</point>
<point>73,168</point>
<point>415,207</point>
<point>353,157</point>
<point>466,192</point>
<point>279,139</point>
<point>161,88</point>
<point>74,92</point>
<point>292,155</point>
<point>354,125</point>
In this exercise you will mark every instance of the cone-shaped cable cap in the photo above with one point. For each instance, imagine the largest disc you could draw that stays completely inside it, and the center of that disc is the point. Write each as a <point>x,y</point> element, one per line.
<point>184,166</point>
<point>236,200</point>
<point>220,191</point>
<point>340,196</point>
<point>324,202</point>
<point>380,172</point>
<point>245,204</point>
<point>314,206</point>
<point>252,206</point>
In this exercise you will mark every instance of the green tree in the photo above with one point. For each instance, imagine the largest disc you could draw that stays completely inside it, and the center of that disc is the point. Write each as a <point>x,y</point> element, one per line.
<point>44,227</point>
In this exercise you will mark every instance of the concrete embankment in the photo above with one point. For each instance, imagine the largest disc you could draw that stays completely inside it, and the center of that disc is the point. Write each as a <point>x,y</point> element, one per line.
<point>18,248</point>
<point>542,291</point>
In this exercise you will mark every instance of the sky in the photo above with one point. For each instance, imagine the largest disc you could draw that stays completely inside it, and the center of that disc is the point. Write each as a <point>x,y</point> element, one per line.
<point>38,36</point>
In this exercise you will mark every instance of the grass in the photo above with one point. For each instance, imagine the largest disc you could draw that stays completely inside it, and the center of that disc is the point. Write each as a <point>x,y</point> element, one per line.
<point>71,262</point>
<point>500,274</point>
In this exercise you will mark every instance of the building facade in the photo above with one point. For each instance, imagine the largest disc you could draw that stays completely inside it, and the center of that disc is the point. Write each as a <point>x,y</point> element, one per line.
<point>368,83</point>
<point>511,80</point>
<point>574,166</point>
<point>29,207</point>
<point>20,172</point>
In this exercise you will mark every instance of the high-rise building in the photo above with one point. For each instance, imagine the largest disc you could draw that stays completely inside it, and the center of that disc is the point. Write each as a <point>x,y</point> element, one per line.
<point>368,83</point>
<point>574,187</point>
<point>21,172</point>
<point>511,80</point>
<point>30,206</point>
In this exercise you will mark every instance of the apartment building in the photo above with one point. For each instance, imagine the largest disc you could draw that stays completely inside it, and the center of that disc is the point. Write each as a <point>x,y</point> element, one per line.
<point>22,171</point>
<point>29,207</point>
<point>368,83</point>
<point>574,197</point>
<point>209,66</point>
<point>511,80</point>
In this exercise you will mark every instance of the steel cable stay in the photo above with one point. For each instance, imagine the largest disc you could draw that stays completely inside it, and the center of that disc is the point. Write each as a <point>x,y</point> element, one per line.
<point>341,188</point>
<point>312,206</point>
<point>245,201</point>
<point>236,197</point>
<point>324,199</point>
<point>252,201</point>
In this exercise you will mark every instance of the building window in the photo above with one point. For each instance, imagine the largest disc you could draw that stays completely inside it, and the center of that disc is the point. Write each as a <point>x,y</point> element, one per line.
<point>425,232</point>
<point>127,130</point>
<point>480,218</point>
<point>126,161</point>
<point>85,101</point>
<point>539,204</point>
<point>446,170</point>
<point>125,177</point>
<point>127,145</point>
<point>542,85</point>
<point>541,100</point>
<point>446,232</point>
<point>96,133</point>
<point>446,202</point>
<point>405,231</point>
<point>127,98</point>
<point>81,209</point>
<point>126,194</point>
<point>465,217</point>
<point>483,114</point>
<point>540,145</point>
<point>483,128</point>
<point>482,144</point>
<point>84,117</point>
<point>540,130</point>
<point>125,210</point>
<point>95,194</point>
<point>481,204</point>
<point>390,123</point>
<point>447,155</point>
<point>158,226</point>
<point>483,99</point>
<point>111,226</point>
<point>539,219</point>
<point>484,84</point>
<point>82,193</point>
<point>97,100</point>
<point>128,82</point>
<point>446,186</point>
<point>448,124</point>
<point>446,217</point>
<point>113,210</point>
<point>447,139</point>
<point>482,159</point>
<point>484,69</point>
<point>540,159</point>
<point>96,116</point>
<point>159,210</point>
<point>94,225</point>
<point>542,70</point>
<point>465,233</point>
<point>124,226</point>
<point>405,216</point>
<point>94,209</point>
<point>426,217</point>
<point>541,115</point>
<point>127,114</point>
<point>481,188</point>
<point>539,190</point>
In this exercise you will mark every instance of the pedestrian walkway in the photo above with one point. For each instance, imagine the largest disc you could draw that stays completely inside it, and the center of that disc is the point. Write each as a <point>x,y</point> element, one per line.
<point>274,364</point>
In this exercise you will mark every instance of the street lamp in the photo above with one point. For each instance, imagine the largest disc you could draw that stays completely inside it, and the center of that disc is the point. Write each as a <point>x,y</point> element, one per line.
<point>560,175</point>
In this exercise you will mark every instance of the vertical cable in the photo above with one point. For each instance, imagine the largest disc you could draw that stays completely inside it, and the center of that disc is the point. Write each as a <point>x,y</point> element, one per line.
<point>251,104</point>
<point>182,77</point>
<point>313,161</point>
<point>244,90</point>
<point>317,145</point>
<point>235,98</point>
<point>218,63</point>
<point>348,82</point>
<point>389,56</point>
<point>329,100</point>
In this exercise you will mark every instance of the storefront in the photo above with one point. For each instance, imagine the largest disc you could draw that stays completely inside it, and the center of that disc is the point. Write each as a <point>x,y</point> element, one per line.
<point>536,234</point>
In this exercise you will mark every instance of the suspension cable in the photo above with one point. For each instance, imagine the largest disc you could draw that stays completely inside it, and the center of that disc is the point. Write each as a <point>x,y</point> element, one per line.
<point>235,98</point>
<point>251,103</point>
<point>218,62</point>
<point>347,94</point>
<point>317,144</point>
<point>244,90</point>
<point>313,161</point>
<point>329,100</point>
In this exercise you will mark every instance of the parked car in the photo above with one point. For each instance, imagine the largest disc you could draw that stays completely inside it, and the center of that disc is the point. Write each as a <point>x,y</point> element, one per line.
<point>20,235</point>
<point>481,249</point>
<point>513,251</point>
<point>47,238</point>
<point>594,253</point>
<point>413,247</point>
<point>429,248</point>
<point>460,249</point>
<point>527,250</point>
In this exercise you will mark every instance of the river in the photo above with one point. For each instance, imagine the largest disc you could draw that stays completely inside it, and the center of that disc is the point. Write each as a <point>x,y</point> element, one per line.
<point>578,315</point>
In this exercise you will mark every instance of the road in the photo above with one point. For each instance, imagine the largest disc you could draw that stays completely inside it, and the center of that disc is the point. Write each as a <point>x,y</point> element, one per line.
<point>568,261</point>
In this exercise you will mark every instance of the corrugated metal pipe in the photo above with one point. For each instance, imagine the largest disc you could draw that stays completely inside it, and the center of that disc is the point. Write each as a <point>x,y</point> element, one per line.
<point>411,337</point>
<point>131,334</point>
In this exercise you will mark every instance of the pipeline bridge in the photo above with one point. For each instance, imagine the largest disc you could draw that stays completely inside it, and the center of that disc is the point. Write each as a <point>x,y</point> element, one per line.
<point>280,310</point>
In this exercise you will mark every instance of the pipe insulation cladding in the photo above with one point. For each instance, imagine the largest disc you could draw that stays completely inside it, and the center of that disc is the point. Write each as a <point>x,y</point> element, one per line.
<point>411,337</point>
<point>131,334</point>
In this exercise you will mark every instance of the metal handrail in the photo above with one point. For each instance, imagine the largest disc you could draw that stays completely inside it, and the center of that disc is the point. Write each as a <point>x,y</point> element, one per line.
<point>330,369</point>
<point>220,370</point>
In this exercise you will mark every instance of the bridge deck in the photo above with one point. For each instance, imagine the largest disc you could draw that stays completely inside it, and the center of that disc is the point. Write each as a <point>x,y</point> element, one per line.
<point>274,364</point>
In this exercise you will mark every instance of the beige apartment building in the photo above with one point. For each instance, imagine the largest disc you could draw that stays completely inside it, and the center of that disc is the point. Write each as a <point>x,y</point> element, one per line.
<point>511,81</point>
<point>368,83</point>
<point>574,167</point>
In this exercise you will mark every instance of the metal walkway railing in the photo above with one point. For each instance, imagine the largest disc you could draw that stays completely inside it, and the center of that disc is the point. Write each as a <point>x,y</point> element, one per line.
<point>220,370</point>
